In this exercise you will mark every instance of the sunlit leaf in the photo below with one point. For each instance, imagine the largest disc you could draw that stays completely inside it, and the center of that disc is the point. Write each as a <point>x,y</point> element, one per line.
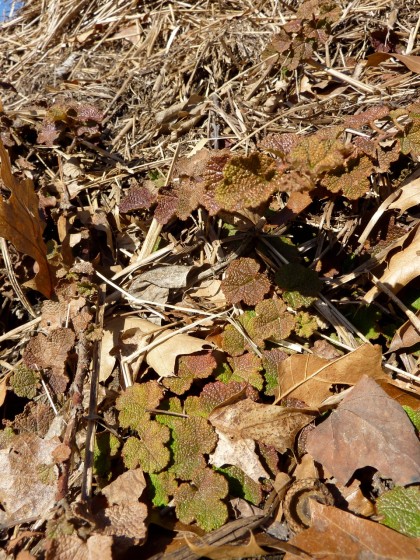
<point>244,283</point>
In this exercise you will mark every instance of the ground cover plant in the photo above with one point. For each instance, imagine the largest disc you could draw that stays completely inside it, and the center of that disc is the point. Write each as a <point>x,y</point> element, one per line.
<point>209,320</point>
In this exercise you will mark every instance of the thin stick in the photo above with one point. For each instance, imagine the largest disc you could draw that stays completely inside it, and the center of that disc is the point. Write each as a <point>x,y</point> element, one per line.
<point>148,302</point>
<point>93,397</point>
<point>21,328</point>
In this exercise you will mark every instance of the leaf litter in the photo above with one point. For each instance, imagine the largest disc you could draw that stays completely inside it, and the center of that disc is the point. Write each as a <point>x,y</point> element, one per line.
<point>209,285</point>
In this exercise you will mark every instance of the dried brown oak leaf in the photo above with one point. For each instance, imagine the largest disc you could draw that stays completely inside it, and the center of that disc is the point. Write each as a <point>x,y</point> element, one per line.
<point>50,353</point>
<point>409,196</point>
<point>402,266</point>
<point>28,476</point>
<point>269,424</point>
<point>244,283</point>
<point>337,534</point>
<point>368,429</point>
<point>20,223</point>
<point>240,452</point>
<point>310,378</point>
<point>127,487</point>
<point>412,62</point>
<point>406,336</point>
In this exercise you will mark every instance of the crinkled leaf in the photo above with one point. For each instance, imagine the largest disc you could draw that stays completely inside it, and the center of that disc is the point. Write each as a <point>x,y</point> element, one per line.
<point>271,363</point>
<point>271,458</point>
<point>212,395</point>
<point>317,154</point>
<point>28,477</point>
<point>280,144</point>
<point>166,207</point>
<point>136,198</point>
<point>410,142</point>
<point>50,352</point>
<point>296,277</point>
<point>400,510</point>
<point>192,437</point>
<point>149,452</point>
<point>306,324</point>
<point>190,195</point>
<point>36,419</point>
<point>135,401</point>
<point>246,368</point>
<point>245,182</point>
<point>195,366</point>
<point>25,381</point>
<point>106,447</point>
<point>242,485</point>
<point>272,320</point>
<point>387,154</point>
<point>300,284</point>
<point>366,319</point>
<point>233,342</point>
<point>65,547</point>
<point>201,501</point>
<point>244,283</point>
<point>164,487</point>
<point>352,180</point>
<point>366,117</point>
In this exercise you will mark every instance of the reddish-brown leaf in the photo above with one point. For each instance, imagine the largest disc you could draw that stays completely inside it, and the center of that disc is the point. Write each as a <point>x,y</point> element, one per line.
<point>337,534</point>
<point>137,197</point>
<point>244,283</point>
<point>368,429</point>
<point>310,378</point>
<point>269,424</point>
<point>21,224</point>
<point>412,62</point>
